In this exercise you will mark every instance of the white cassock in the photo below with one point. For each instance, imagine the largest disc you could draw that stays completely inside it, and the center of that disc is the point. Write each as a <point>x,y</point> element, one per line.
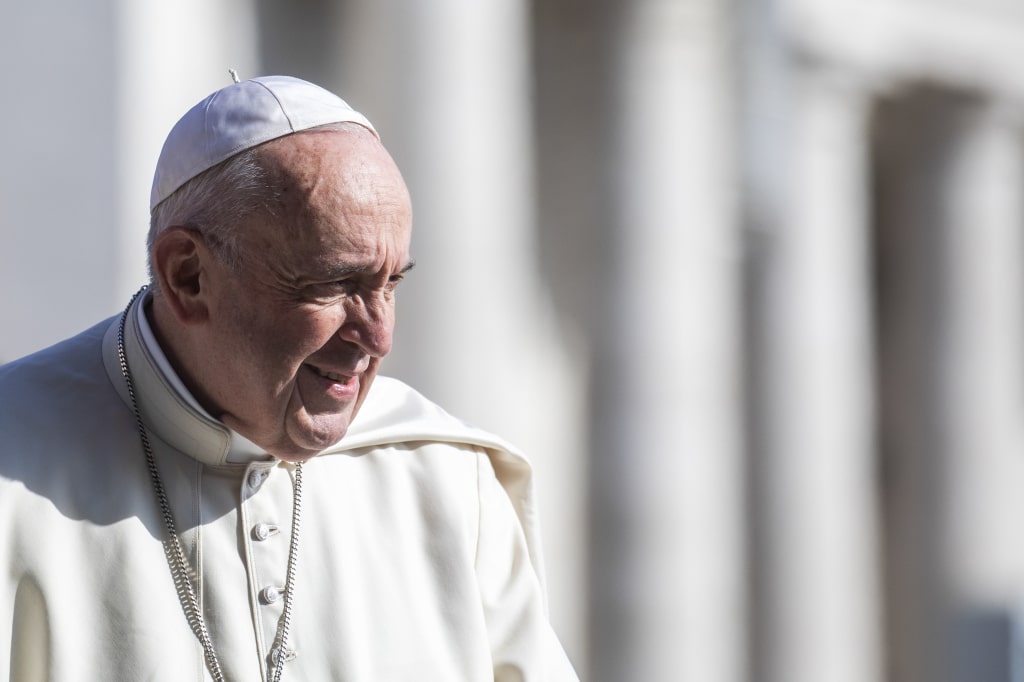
<point>418,556</point>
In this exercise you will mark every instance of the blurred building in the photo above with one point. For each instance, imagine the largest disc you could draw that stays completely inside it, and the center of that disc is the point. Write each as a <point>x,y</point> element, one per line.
<point>745,279</point>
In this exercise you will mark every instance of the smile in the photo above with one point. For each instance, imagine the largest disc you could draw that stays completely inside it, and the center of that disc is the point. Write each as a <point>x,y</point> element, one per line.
<point>333,376</point>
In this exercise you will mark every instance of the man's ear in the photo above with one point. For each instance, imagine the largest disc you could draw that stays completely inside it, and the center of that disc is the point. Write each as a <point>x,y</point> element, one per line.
<point>180,262</point>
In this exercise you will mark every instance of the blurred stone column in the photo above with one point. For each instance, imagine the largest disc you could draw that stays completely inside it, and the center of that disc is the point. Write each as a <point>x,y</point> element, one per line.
<point>447,84</point>
<point>983,385</point>
<point>58,130</point>
<point>810,359</point>
<point>983,367</point>
<point>96,88</point>
<point>667,583</point>
<point>160,75</point>
<point>950,170</point>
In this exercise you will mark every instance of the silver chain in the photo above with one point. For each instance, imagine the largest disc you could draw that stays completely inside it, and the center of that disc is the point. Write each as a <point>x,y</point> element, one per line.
<point>181,572</point>
<point>280,653</point>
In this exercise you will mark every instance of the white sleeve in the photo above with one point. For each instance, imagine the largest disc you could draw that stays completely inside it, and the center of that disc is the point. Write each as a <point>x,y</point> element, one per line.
<point>524,647</point>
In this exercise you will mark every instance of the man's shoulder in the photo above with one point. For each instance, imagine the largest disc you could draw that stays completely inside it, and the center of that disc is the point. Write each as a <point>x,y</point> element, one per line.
<point>53,381</point>
<point>394,412</point>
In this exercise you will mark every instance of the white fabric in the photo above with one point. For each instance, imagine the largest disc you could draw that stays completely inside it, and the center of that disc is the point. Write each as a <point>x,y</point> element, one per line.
<point>242,450</point>
<point>239,117</point>
<point>419,555</point>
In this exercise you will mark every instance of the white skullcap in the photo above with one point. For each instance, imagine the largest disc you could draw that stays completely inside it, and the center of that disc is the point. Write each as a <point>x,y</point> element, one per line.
<point>239,117</point>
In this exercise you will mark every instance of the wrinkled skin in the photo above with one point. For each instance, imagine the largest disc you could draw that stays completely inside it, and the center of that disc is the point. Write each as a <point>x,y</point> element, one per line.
<point>284,349</point>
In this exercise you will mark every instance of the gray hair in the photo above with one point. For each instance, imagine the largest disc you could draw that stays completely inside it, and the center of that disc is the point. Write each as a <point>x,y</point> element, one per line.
<point>216,201</point>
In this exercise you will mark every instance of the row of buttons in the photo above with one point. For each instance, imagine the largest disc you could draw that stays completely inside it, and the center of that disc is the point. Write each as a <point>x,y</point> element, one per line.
<point>271,594</point>
<point>262,531</point>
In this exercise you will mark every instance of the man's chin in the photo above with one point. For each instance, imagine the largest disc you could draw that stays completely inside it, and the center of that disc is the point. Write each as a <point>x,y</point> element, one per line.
<point>308,438</point>
<point>301,452</point>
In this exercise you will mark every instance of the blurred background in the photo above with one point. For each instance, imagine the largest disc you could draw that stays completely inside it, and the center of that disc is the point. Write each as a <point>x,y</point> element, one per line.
<point>744,278</point>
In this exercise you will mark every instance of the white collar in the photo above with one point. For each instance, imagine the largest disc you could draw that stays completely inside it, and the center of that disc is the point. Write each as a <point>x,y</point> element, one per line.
<point>167,407</point>
<point>242,450</point>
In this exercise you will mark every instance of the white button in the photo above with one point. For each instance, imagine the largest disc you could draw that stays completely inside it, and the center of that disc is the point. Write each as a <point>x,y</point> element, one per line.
<point>270,594</point>
<point>256,478</point>
<point>275,655</point>
<point>262,531</point>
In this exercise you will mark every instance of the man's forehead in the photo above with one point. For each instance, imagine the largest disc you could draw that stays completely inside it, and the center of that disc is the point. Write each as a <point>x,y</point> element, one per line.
<point>323,141</point>
<point>346,162</point>
<point>317,244</point>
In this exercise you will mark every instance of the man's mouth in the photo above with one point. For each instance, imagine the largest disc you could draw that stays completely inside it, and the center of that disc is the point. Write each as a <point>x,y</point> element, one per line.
<point>333,376</point>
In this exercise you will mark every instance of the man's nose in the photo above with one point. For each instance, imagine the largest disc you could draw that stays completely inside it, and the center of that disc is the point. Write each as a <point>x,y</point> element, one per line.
<point>369,324</point>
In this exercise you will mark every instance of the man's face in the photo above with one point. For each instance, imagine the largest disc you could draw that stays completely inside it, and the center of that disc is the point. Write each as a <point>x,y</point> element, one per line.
<point>296,337</point>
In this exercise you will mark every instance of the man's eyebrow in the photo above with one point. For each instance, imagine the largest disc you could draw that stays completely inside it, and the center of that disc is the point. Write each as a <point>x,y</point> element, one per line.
<point>340,270</point>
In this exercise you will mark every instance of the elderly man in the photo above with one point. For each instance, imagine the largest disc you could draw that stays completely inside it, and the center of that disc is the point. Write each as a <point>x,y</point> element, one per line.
<point>213,484</point>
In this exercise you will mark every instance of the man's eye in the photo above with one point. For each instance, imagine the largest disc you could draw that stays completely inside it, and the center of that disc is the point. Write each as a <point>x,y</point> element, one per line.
<point>394,281</point>
<point>331,290</point>
<point>345,285</point>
